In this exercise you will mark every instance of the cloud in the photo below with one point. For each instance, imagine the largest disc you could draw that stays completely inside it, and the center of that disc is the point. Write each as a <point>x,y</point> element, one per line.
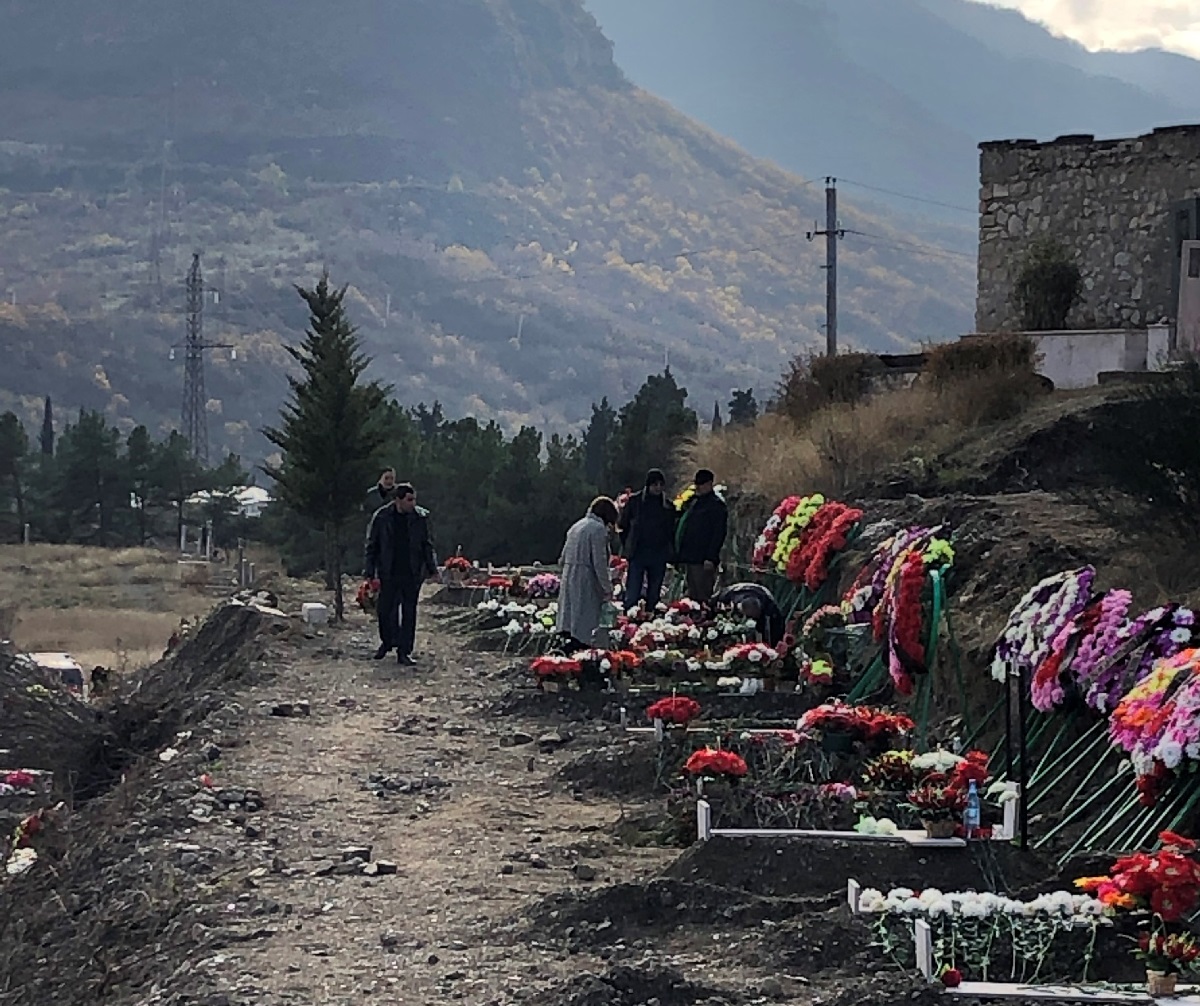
<point>1119,24</point>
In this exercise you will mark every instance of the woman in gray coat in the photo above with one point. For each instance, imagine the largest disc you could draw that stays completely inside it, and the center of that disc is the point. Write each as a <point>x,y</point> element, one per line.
<point>586,581</point>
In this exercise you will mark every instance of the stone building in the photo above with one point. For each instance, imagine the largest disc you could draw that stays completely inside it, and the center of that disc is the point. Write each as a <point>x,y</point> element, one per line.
<point>1119,207</point>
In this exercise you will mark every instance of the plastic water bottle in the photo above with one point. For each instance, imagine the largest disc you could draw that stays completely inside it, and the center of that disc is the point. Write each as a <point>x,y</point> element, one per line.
<point>971,815</point>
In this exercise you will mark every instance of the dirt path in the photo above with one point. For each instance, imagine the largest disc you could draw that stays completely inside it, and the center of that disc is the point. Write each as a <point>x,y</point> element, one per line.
<point>488,832</point>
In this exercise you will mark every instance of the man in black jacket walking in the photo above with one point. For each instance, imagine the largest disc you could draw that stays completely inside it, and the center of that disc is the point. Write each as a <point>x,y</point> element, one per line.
<point>647,529</point>
<point>700,536</point>
<point>399,554</point>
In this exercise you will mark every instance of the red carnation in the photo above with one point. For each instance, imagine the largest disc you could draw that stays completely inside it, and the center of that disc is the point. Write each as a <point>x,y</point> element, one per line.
<point>677,709</point>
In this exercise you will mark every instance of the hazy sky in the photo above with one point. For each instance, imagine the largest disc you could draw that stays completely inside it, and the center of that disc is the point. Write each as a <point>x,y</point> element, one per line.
<point>1119,24</point>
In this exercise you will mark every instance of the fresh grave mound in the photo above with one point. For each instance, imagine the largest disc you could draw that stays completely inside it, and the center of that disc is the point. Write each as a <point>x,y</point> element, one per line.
<point>627,768</point>
<point>634,986</point>
<point>635,910</point>
<point>802,867</point>
<point>186,686</point>
<point>127,888</point>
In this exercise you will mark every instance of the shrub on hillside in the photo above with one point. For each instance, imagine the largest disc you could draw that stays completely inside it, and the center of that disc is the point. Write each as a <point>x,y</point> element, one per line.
<point>985,378</point>
<point>1048,286</point>
<point>814,382</point>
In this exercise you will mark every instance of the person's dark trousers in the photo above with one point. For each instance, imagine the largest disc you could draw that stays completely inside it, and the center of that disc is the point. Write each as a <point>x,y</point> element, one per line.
<point>409,593</point>
<point>644,580</point>
<point>387,610</point>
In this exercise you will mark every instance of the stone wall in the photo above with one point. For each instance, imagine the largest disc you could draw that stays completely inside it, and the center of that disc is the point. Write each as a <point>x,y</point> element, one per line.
<point>1109,203</point>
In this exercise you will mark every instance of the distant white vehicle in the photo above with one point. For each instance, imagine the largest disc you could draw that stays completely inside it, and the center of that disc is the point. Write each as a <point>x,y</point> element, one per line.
<point>63,667</point>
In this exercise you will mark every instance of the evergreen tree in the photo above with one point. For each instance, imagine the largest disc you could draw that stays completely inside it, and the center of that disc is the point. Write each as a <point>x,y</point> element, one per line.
<point>332,430</point>
<point>743,408</point>
<point>92,488</point>
<point>716,419</point>
<point>14,447</point>
<point>140,461</point>
<point>651,429</point>
<point>176,477</point>
<point>596,441</point>
<point>47,436</point>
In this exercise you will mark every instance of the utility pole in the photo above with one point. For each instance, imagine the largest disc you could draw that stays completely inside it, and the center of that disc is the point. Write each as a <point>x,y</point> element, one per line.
<point>832,234</point>
<point>195,398</point>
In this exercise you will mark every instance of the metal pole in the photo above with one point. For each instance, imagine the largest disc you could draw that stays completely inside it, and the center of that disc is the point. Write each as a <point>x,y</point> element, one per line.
<point>831,240</point>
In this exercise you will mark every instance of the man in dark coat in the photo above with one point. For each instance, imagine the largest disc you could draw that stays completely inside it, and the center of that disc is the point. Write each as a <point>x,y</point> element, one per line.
<point>647,529</point>
<point>700,536</point>
<point>399,554</point>
<point>754,601</point>
<point>383,492</point>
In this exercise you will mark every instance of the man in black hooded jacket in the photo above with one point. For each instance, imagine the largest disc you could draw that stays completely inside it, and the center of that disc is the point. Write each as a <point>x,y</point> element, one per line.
<point>647,529</point>
<point>700,536</point>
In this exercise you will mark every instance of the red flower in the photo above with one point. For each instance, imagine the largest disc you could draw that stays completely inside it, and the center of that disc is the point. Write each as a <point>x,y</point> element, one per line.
<point>677,709</point>
<point>1170,840</point>
<point>716,761</point>
<point>548,667</point>
<point>951,978</point>
<point>20,779</point>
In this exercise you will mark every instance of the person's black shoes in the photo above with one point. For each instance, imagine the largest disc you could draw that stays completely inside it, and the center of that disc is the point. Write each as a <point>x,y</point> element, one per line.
<point>382,652</point>
<point>405,660</point>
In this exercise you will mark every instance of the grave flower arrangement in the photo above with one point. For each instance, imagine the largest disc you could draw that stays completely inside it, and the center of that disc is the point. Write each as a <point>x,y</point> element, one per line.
<point>862,723</point>
<point>827,533</point>
<point>905,610</point>
<point>1165,883</point>
<point>677,709</point>
<point>1077,659</point>
<point>1037,619</point>
<point>892,771</point>
<point>1167,954</point>
<point>19,780</point>
<point>754,660</point>
<point>543,585</point>
<point>764,545</point>
<point>865,594</point>
<point>555,668</point>
<point>716,762</point>
<point>459,564</point>
<point>792,529</point>
<point>988,937</point>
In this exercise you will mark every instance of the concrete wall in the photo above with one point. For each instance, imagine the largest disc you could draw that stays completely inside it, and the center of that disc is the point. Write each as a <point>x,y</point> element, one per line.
<point>1109,203</point>
<point>1077,358</point>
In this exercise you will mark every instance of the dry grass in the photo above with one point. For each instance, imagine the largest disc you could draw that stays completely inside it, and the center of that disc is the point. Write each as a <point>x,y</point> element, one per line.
<point>111,607</point>
<point>834,450</point>
<point>842,445</point>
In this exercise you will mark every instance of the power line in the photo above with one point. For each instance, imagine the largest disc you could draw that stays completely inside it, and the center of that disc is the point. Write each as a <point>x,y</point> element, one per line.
<point>899,244</point>
<point>910,197</point>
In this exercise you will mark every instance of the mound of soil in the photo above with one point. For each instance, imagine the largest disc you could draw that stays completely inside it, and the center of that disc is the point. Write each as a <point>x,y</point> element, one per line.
<point>126,889</point>
<point>625,768</point>
<point>634,986</point>
<point>815,867</point>
<point>633,910</point>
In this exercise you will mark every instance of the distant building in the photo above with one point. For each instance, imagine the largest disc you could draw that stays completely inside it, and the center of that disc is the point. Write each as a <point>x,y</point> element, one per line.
<point>250,501</point>
<point>1122,209</point>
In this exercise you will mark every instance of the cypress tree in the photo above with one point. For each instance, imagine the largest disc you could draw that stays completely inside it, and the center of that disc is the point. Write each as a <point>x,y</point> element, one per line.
<point>332,429</point>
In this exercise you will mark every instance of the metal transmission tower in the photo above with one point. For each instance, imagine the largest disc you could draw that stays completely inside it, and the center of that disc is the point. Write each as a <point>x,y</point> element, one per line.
<point>195,398</point>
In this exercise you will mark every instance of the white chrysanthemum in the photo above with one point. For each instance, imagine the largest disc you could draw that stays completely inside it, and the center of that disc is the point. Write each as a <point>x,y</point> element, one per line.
<point>930,895</point>
<point>973,909</point>
<point>1170,753</point>
<point>606,665</point>
<point>886,826</point>
<point>729,682</point>
<point>755,656</point>
<point>871,901</point>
